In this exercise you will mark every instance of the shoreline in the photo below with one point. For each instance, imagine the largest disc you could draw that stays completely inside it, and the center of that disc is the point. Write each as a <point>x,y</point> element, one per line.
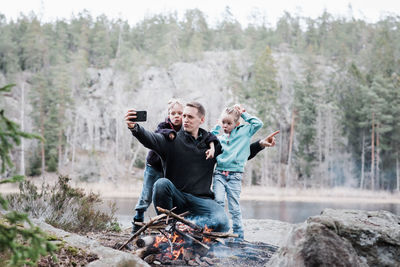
<point>249,193</point>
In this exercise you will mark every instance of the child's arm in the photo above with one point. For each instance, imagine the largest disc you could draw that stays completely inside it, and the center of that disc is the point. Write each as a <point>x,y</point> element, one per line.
<point>169,134</point>
<point>255,123</point>
<point>216,129</point>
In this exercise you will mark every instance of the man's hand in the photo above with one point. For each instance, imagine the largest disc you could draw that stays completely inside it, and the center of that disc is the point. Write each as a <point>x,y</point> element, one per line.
<point>269,141</point>
<point>210,152</point>
<point>130,114</point>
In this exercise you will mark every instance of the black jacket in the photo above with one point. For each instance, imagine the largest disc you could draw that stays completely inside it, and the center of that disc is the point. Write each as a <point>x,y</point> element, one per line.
<point>152,158</point>
<point>165,128</point>
<point>184,159</point>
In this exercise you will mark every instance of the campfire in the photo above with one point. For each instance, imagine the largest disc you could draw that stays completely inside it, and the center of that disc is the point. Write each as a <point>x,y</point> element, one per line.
<point>170,239</point>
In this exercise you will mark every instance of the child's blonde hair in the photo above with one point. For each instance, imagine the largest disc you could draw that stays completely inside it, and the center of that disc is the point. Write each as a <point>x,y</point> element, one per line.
<point>174,101</point>
<point>232,111</point>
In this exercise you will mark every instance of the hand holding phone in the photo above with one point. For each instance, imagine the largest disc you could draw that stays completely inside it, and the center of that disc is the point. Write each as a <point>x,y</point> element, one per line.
<point>133,116</point>
<point>140,116</point>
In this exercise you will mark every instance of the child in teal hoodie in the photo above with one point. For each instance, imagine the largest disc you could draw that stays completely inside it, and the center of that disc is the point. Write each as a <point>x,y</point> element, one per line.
<point>235,141</point>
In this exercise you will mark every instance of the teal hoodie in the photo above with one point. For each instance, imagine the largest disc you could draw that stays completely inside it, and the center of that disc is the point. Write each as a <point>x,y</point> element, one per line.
<point>236,145</point>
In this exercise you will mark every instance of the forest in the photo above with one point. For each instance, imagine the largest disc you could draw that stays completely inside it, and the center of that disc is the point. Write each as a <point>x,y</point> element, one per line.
<point>330,84</point>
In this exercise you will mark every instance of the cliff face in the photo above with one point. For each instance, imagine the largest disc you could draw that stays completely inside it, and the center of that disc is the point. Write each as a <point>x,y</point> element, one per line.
<point>98,145</point>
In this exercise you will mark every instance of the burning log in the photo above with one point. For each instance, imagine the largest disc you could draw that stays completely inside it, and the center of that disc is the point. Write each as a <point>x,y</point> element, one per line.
<point>145,241</point>
<point>144,227</point>
<point>193,239</point>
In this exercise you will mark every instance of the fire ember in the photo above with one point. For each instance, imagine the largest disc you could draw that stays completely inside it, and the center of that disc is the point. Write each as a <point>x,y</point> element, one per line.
<point>170,239</point>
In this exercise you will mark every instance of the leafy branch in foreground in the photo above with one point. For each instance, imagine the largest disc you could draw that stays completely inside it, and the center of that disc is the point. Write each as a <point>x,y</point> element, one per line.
<point>18,235</point>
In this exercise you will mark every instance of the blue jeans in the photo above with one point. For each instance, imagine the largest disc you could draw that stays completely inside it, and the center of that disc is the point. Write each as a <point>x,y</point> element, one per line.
<point>150,176</point>
<point>230,184</point>
<point>203,211</point>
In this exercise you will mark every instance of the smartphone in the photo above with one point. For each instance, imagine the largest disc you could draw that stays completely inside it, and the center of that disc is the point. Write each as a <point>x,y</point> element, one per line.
<point>140,116</point>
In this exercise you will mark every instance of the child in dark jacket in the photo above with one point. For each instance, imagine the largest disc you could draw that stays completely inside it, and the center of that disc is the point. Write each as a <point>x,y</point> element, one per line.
<point>154,170</point>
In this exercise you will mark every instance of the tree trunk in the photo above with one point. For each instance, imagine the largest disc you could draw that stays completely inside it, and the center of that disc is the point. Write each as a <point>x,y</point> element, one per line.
<point>378,178</point>
<point>281,178</point>
<point>362,161</point>
<point>22,162</point>
<point>135,155</point>
<point>117,137</point>
<point>319,137</point>
<point>373,153</point>
<point>60,125</point>
<point>397,172</point>
<point>74,143</point>
<point>290,147</point>
<point>42,133</point>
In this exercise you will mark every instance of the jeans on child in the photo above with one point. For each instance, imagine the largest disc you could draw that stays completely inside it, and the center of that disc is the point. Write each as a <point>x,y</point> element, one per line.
<point>231,183</point>
<point>150,176</point>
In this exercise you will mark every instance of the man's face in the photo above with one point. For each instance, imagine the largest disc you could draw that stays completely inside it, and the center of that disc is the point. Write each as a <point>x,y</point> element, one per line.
<point>191,120</point>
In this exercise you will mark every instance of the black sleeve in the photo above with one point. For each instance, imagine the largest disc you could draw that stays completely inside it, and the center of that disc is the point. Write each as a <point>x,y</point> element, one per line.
<point>154,141</point>
<point>211,138</point>
<point>255,147</point>
<point>162,126</point>
<point>217,145</point>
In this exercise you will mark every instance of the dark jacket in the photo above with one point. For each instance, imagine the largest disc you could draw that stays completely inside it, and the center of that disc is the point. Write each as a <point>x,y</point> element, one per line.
<point>184,159</point>
<point>165,128</point>
<point>152,158</point>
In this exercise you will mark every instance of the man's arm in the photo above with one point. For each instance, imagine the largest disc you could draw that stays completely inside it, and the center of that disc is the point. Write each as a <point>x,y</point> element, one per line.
<point>150,140</point>
<point>259,145</point>
<point>255,147</point>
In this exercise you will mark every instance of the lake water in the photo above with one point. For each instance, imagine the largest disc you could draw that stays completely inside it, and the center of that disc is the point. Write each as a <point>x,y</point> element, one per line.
<point>287,211</point>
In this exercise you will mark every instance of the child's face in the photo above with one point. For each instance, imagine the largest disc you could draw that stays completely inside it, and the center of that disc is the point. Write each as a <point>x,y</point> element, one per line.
<point>175,115</point>
<point>228,123</point>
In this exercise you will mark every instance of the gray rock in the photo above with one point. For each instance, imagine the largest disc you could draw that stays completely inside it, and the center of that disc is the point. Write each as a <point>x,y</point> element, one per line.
<point>343,238</point>
<point>107,256</point>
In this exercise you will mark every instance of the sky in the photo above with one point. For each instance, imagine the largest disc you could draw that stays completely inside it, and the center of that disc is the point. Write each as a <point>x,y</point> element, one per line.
<point>136,10</point>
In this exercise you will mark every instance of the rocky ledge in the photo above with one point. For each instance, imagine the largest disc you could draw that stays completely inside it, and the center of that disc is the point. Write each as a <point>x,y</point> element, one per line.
<point>333,238</point>
<point>342,238</point>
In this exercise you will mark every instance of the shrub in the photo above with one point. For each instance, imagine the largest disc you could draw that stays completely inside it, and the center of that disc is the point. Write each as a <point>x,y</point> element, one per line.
<point>63,206</point>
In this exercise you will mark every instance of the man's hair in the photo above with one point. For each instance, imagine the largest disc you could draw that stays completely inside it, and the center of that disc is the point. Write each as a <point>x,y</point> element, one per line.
<point>232,111</point>
<point>174,101</point>
<point>200,109</point>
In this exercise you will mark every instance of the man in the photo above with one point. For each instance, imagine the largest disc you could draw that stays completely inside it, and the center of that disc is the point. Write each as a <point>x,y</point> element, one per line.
<point>188,170</point>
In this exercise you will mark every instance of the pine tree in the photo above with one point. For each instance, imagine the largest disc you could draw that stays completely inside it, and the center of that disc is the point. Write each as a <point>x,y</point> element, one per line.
<point>26,244</point>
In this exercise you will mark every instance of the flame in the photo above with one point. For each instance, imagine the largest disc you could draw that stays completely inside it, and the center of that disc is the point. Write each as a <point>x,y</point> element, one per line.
<point>177,253</point>
<point>159,240</point>
<point>206,230</point>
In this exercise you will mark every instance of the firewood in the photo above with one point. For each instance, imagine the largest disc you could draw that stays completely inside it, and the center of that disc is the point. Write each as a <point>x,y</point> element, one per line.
<point>145,241</point>
<point>150,258</point>
<point>144,227</point>
<point>219,235</point>
<point>179,218</point>
<point>143,252</point>
<point>187,255</point>
<point>193,239</point>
